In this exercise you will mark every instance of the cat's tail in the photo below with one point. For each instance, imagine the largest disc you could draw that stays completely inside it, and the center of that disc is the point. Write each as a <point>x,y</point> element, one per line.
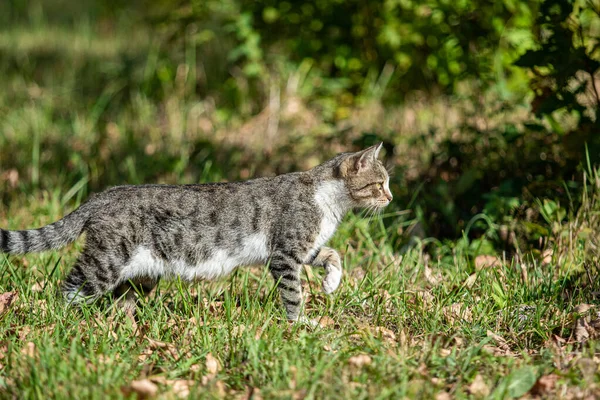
<point>53,236</point>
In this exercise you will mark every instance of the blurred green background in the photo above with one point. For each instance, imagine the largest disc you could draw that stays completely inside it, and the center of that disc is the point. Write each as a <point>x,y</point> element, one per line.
<point>488,110</point>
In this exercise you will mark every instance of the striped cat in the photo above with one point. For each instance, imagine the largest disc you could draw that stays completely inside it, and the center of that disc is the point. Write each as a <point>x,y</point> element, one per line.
<point>136,235</point>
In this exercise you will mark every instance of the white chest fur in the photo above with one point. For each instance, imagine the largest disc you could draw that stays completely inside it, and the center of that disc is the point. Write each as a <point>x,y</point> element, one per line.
<point>331,197</point>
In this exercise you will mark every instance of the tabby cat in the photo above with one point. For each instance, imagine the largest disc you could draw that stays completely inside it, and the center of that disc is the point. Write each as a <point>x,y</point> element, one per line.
<point>136,235</point>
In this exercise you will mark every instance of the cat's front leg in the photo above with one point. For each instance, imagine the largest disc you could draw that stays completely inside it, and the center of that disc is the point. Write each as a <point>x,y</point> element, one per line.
<point>285,269</point>
<point>329,259</point>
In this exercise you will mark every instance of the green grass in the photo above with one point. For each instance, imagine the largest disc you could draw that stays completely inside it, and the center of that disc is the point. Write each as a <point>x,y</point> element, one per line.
<point>80,112</point>
<point>427,327</point>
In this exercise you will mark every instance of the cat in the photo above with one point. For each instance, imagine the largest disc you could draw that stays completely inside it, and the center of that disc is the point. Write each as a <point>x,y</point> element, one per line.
<point>135,235</point>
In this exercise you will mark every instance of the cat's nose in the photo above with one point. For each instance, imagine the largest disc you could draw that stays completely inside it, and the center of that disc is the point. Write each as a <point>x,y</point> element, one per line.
<point>388,196</point>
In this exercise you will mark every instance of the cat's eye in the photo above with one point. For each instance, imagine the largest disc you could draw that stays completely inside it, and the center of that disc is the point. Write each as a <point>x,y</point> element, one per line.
<point>379,186</point>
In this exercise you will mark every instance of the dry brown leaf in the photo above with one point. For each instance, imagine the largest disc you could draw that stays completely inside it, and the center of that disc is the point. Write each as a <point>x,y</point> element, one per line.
<point>144,389</point>
<point>29,350</point>
<point>24,332</point>
<point>478,387</point>
<point>195,368</point>
<point>581,331</point>
<point>212,364</point>
<point>470,281</point>
<point>426,298</point>
<point>482,261</point>
<point>583,308</point>
<point>433,278</point>
<point>325,321</point>
<point>547,256</point>
<point>104,359</point>
<point>385,333</point>
<point>544,385</point>
<point>238,330</point>
<point>144,355</point>
<point>6,299</point>
<point>500,341</point>
<point>181,387</point>
<point>221,392</point>
<point>457,312</point>
<point>360,360</point>
<point>443,396</point>
<point>37,287</point>
<point>166,347</point>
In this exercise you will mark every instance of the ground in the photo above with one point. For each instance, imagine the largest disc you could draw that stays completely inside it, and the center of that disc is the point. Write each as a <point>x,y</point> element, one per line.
<point>401,325</point>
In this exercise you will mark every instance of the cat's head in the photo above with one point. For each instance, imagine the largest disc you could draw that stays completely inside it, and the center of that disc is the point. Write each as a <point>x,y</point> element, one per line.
<point>366,178</point>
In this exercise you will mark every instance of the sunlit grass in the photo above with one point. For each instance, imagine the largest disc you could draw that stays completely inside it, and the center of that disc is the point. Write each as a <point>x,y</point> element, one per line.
<point>426,327</point>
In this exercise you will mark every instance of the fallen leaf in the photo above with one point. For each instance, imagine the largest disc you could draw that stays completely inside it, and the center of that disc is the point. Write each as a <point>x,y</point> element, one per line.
<point>482,261</point>
<point>544,385</point>
<point>478,387</point>
<point>166,347</point>
<point>6,299</point>
<point>500,341</point>
<point>581,331</point>
<point>29,350</point>
<point>37,287</point>
<point>360,360</point>
<point>470,281</point>
<point>144,355</point>
<point>433,278</point>
<point>426,298</point>
<point>144,389</point>
<point>385,333</point>
<point>195,367</point>
<point>326,321</point>
<point>212,364</point>
<point>457,312</point>
<point>181,387</point>
<point>104,359</point>
<point>221,393</point>
<point>583,308</point>
<point>443,396</point>
<point>24,332</point>
<point>547,256</point>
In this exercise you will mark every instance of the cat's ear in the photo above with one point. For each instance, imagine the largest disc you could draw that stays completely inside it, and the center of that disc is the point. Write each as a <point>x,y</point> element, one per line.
<point>363,159</point>
<point>360,161</point>
<point>377,149</point>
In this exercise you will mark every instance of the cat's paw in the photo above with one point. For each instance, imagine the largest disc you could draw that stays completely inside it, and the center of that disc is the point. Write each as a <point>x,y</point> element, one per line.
<point>332,280</point>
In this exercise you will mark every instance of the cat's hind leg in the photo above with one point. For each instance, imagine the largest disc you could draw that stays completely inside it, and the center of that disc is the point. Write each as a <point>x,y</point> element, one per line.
<point>329,259</point>
<point>92,276</point>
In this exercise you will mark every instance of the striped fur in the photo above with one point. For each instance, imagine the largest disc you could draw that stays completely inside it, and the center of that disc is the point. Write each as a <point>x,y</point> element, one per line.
<point>49,237</point>
<point>137,235</point>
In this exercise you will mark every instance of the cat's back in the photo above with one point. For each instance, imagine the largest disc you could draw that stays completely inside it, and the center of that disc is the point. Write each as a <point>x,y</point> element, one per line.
<point>255,201</point>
